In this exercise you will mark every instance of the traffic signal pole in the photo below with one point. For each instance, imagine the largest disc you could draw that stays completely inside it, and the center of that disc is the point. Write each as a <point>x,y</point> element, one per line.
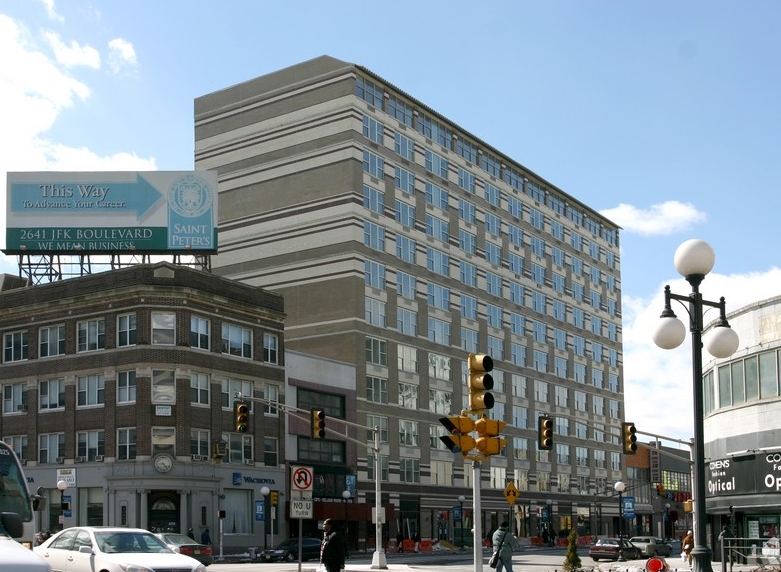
<point>477,518</point>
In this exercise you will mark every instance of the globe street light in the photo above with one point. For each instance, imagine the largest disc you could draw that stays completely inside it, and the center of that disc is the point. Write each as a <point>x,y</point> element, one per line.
<point>620,487</point>
<point>693,260</point>
<point>266,515</point>
<point>461,499</point>
<point>346,496</point>
<point>667,520</point>
<point>62,485</point>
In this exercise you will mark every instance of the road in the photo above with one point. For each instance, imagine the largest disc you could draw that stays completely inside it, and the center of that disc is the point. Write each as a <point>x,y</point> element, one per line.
<point>544,560</point>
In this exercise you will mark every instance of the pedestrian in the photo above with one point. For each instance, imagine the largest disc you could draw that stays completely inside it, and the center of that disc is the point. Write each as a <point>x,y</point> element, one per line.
<point>332,548</point>
<point>688,545</point>
<point>416,540</point>
<point>205,537</point>
<point>545,536</point>
<point>504,543</point>
<point>191,533</point>
<point>553,536</point>
<point>399,542</point>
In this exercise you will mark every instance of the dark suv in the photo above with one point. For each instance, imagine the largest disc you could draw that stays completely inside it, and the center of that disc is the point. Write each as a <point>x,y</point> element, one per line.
<point>288,551</point>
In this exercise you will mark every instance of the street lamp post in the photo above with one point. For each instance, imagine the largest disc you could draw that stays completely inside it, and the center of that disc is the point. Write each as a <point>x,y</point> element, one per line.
<point>266,515</point>
<point>461,499</point>
<point>550,518</point>
<point>693,260</point>
<point>346,496</point>
<point>62,485</point>
<point>667,520</point>
<point>620,487</point>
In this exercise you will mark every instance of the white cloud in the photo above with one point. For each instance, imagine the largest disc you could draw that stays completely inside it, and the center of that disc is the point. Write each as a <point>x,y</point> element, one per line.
<point>34,90</point>
<point>122,55</point>
<point>73,54</point>
<point>658,389</point>
<point>665,218</point>
<point>51,11</point>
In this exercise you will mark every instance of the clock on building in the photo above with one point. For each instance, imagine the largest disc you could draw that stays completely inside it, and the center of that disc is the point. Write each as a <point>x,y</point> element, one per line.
<point>163,463</point>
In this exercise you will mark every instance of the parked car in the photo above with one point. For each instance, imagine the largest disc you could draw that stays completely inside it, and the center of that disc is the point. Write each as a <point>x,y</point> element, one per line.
<point>109,549</point>
<point>183,544</point>
<point>651,546</point>
<point>288,550</point>
<point>608,549</point>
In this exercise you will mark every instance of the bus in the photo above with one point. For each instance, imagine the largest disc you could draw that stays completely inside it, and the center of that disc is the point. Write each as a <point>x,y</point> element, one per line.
<point>16,517</point>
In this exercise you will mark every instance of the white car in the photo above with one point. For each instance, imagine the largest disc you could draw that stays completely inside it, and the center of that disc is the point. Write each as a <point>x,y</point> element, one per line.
<point>90,548</point>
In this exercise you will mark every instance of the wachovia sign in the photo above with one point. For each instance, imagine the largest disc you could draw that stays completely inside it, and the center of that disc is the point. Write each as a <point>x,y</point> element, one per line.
<point>750,474</point>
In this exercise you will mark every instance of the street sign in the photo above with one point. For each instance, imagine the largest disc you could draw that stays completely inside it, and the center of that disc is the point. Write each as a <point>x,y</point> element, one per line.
<point>301,508</point>
<point>302,481</point>
<point>629,507</point>
<point>511,493</point>
<point>260,510</point>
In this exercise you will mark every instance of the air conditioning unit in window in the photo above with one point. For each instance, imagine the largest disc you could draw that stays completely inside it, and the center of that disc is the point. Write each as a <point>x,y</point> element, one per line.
<point>21,407</point>
<point>250,462</point>
<point>59,460</point>
<point>77,460</point>
<point>99,458</point>
<point>200,458</point>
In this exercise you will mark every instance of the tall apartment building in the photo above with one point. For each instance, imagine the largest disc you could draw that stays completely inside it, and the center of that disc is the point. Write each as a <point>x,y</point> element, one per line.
<point>402,242</point>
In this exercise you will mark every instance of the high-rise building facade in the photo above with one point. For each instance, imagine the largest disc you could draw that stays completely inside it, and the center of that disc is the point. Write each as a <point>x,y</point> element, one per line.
<point>401,243</point>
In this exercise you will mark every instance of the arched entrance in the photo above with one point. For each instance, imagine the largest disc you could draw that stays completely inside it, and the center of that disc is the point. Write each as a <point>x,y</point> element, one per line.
<point>164,512</point>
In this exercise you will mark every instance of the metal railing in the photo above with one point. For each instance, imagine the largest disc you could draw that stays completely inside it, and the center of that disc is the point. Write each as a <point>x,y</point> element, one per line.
<point>755,553</point>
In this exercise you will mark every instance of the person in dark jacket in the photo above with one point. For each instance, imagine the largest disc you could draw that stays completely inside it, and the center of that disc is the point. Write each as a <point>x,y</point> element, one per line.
<point>206,537</point>
<point>191,533</point>
<point>332,548</point>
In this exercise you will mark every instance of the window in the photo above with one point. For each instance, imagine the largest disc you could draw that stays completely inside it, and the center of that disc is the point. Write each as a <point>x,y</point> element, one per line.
<point>163,328</point>
<point>467,150</point>
<point>374,274</point>
<point>437,196</point>
<point>559,310</point>
<point>14,398</point>
<point>560,367</point>
<point>89,444</point>
<point>371,471</point>
<point>408,433</point>
<point>407,322</point>
<point>51,341</point>
<point>540,331</point>
<point>432,129</point>
<point>538,274</point>
<point>270,348</point>
<point>199,442</point>
<point>126,386</point>
<point>163,386</point>
<point>15,347</point>
<point>439,366</point>
<point>409,470</point>
<point>496,347</point>
<point>517,323</point>
<point>405,214</point>
<point>373,236</point>
<point>493,283</point>
<point>561,395</point>
<point>377,351</point>
<point>51,446</point>
<point>517,294</point>
<point>557,230</point>
<point>374,312</point>
<point>199,332</point>
<point>562,456</point>
<point>468,340</point>
<point>467,211</point>
<point>515,235</point>
<point>495,316</point>
<point>51,394</point>
<point>437,228</point>
<point>369,92</point>
<point>493,253</point>
<point>91,335</point>
<point>19,445</point>
<point>514,207</point>
<point>270,451</point>
<point>439,296</point>
<point>271,395</point>
<point>540,360</point>
<point>467,241</point>
<point>373,164</point>
<point>466,180</point>
<point>539,302</point>
<point>240,447</point>
<point>407,358</point>
<point>468,307</point>
<point>439,331</point>
<point>405,180</point>
<point>405,249</point>
<point>437,261</point>
<point>199,388</point>
<point>493,224</point>
<point>440,401</point>
<point>373,130</point>
<point>373,199</point>
<point>236,341</point>
<point>536,219</point>
<point>468,273</point>
<point>515,262</point>
<point>436,164</point>
<point>376,389</point>
<point>408,395</point>
<point>90,390</point>
<point>406,285</point>
<point>400,110</point>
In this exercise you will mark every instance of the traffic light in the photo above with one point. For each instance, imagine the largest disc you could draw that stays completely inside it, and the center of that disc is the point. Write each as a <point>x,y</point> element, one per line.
<point>545,433</point>
<point>480,382</point>
<point>240,416</point>
<point>489,442</point>
<point>629,438</point>
<point>318,424</point>
<point>659,490</point>
<point>274,498</point>
<point>459,440</point>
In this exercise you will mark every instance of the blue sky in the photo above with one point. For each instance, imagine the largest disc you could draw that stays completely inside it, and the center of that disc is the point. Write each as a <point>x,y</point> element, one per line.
<point>665,116</point>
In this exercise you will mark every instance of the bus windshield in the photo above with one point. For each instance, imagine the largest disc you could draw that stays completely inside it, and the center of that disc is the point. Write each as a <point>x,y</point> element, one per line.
<point>13,487</point>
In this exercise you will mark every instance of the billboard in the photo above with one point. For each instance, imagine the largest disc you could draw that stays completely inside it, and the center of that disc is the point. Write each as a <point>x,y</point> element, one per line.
<point>102,212</point>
